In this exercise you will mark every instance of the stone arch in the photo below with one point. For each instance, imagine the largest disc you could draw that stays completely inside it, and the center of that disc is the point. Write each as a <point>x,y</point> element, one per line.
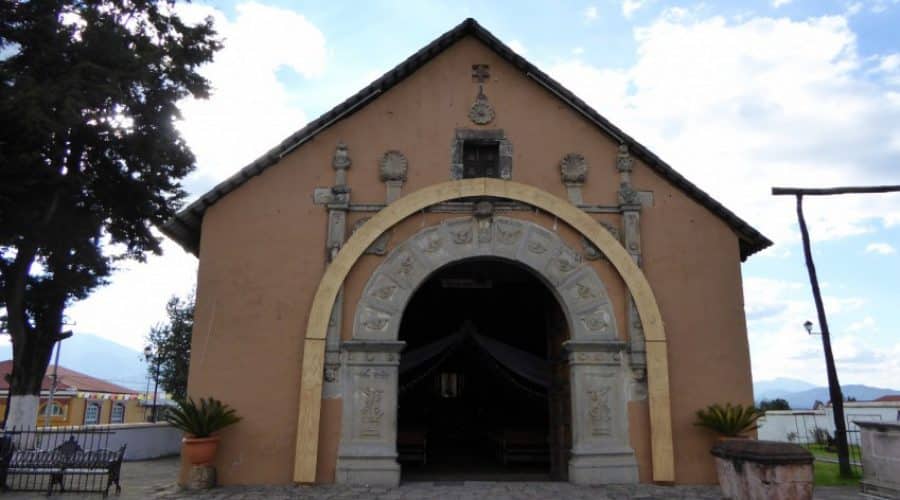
<point>310,397</point>
<point>576,285</point>
<point>597,358</point>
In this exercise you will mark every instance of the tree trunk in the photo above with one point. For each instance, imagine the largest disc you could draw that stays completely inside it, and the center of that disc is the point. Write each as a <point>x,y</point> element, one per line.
<point>32,346</point>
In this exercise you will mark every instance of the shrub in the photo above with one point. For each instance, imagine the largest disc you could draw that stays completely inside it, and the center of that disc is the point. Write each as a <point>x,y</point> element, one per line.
<point>201,420</point>
<point>729,420</point>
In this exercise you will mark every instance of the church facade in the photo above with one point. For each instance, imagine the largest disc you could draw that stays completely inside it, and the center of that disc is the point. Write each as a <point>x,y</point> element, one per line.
<point>465,271</point>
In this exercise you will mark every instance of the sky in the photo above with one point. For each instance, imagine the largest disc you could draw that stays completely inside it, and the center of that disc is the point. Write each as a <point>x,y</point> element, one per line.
<point>737,96</point>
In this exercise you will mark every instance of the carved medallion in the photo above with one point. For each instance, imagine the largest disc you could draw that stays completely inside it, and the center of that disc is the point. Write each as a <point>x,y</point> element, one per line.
<point>462,237</point>
<point>481,112</point>
<point>376,324</point>
<point>573,168</point>
<point>393,166</point>
<point>597,322</point>
<point>508,237</point>
<point>433,244</point>
<point>385,292</point>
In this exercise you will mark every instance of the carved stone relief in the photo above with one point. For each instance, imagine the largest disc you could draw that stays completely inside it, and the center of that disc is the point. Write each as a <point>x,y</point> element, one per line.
<point>481,112</point>
<point>573,168</point>
<point>600,450</point>
<point>576,285</point>
<point>393,166</point>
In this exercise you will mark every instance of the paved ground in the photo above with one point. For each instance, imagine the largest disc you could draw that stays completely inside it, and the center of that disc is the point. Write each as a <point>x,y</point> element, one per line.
<point>154,480</point>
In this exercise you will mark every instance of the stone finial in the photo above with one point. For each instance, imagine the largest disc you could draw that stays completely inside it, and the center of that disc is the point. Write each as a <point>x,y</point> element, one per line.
<point>482,112</point>
<point>393,166</point>
<point>573,168</point>
<point>624,162</point>
<point>341,160</point>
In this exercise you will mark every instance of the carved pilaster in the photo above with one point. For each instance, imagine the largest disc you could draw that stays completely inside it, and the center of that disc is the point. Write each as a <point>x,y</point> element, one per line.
<point>338,202</point>
<point>368,449</point>
<point>600,444</point>
<point>630,203</point>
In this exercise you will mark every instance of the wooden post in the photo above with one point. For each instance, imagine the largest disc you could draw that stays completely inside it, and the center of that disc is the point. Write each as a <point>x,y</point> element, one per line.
<point>834,387</point>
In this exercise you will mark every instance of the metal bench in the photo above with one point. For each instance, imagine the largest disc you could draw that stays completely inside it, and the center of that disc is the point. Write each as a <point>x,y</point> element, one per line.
<point>67,460</point>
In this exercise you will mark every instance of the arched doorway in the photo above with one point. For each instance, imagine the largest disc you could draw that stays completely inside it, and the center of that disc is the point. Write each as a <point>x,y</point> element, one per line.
<point>483,381</point>
<point>597,364</point>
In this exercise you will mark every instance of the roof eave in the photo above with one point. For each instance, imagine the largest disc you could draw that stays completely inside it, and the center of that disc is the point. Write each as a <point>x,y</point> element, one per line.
<point>185,227</point>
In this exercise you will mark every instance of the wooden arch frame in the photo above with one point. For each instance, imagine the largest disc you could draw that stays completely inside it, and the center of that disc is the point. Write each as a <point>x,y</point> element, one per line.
<point>310,400</point>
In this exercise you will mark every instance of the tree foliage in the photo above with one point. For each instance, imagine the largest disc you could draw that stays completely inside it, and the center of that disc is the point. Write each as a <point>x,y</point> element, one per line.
<point>90,158</point>
<point>774,404</point>
<point>171,345</point>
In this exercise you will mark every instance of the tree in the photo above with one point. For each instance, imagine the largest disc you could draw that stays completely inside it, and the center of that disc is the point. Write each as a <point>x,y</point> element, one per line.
<point>90,159</point>
<point>774,404</point>
<point>171,343</point>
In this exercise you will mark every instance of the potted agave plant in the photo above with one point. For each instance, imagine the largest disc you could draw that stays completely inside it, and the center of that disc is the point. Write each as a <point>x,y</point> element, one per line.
<point>199,422</point>
<point>729,421</point>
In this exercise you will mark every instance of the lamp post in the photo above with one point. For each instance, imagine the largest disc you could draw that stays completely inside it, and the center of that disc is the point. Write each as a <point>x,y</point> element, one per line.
<point>157,357</point>
<point>48,408</point>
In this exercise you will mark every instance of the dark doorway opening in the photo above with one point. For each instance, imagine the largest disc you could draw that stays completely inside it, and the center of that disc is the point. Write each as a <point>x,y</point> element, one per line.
<point>483,382</point>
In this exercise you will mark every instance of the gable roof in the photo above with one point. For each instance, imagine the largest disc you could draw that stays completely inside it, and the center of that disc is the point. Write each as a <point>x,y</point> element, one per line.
<point>184,228</point>
<point>67,380</point>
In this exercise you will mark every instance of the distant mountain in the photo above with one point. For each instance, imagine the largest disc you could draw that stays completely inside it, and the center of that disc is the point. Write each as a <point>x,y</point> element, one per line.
<point>101,358</point>
<point>775,388</point>
<point>803,395</point>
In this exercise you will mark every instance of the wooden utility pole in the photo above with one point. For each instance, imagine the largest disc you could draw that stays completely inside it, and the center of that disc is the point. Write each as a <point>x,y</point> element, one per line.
<point>834,386</point>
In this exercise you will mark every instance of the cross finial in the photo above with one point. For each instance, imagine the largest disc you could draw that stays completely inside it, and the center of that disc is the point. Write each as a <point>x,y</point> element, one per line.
<point>480,73</point>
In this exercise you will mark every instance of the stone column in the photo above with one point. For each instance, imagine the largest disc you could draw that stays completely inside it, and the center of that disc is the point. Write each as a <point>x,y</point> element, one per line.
<point>600,445</point>
<point>368,450</point>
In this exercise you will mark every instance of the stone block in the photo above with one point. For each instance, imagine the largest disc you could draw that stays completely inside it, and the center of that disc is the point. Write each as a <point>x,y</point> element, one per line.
<point>763,470</point>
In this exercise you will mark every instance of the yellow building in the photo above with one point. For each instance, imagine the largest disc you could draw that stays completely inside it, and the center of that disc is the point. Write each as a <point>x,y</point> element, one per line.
<point>79,399</point>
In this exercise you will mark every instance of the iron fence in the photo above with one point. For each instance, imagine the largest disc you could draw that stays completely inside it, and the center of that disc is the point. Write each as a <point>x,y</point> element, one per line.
<point>59,458</point>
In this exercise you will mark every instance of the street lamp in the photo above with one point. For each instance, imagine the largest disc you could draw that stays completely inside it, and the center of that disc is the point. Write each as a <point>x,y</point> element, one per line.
<point>808,325</point>
<point>148,355</point>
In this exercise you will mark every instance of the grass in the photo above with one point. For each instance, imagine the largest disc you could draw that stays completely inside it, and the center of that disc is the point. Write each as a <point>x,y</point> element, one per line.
<point>827,474</point>
<point>819,451</point>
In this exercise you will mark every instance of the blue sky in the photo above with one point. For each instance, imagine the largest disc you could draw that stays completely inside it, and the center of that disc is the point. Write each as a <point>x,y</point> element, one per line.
<point>737,96</point>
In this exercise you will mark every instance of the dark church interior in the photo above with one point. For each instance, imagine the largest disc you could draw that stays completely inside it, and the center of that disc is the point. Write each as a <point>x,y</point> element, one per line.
<point>480,376</point>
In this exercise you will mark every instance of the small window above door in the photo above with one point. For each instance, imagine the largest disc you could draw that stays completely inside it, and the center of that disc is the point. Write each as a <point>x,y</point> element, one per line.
<point>481,159</point>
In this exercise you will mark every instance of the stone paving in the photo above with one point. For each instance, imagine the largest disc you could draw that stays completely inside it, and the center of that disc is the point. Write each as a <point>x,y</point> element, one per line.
<point>153,479</point>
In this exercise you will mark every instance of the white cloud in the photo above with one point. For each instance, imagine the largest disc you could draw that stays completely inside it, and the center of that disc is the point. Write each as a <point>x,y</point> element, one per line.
<point>517,47</point>
<point>780,347</point>
<point>880,248</point>
<point>590,13</point>
<point>578,51</point>
<point>135,300</point>
<point>741,106</point>
<point>249,111</point>
<point>779,3</point>
<point>630,6</point>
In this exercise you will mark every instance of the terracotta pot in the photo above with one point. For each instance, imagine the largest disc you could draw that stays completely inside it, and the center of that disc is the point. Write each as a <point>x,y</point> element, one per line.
<point>200,451</point>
